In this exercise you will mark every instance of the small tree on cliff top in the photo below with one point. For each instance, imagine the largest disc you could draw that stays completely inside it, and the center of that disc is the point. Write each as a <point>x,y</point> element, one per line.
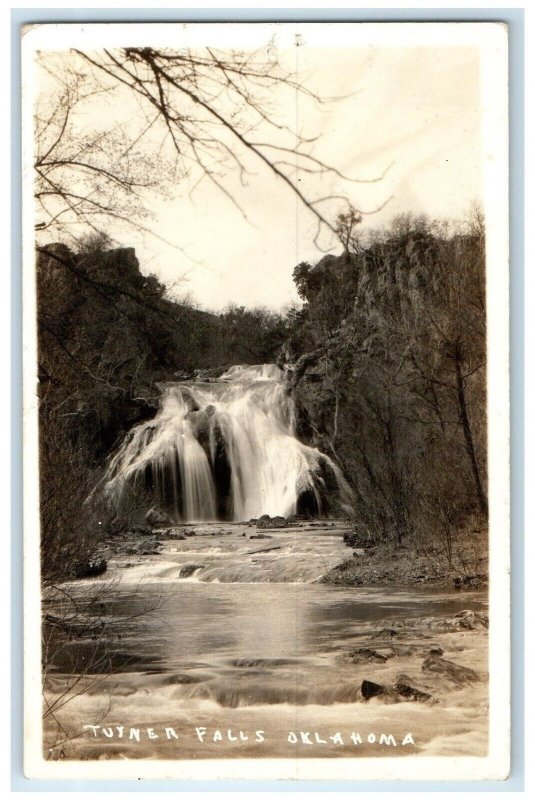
<point>346,227</point>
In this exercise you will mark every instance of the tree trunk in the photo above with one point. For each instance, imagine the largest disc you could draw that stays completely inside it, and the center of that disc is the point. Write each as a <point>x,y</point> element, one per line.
<point>469,442</point>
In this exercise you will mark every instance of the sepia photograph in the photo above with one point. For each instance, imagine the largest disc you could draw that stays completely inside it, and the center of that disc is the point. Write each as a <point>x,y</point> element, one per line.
<point>266,400</point>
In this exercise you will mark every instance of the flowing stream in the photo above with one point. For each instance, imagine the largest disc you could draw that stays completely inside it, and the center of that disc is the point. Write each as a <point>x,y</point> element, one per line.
<point>214,637</point>
<point>220,633</point>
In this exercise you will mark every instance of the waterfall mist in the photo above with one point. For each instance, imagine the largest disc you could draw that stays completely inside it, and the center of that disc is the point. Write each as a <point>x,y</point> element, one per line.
<point>227,450</point>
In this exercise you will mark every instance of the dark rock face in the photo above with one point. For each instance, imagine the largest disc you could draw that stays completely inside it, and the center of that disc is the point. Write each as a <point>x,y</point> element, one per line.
<point>338,359</point>
<point>190,401</point>
<point>92,569</point>
<point>370,689</point>
<point>453,673</point>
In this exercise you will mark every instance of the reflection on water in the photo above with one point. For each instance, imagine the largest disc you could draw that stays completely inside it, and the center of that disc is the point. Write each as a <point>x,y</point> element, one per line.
<point>270,622</point>
<point>197,651</point>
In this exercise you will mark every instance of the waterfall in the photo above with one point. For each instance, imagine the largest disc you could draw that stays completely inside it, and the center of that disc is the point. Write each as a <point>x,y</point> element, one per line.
<point>227,450</point>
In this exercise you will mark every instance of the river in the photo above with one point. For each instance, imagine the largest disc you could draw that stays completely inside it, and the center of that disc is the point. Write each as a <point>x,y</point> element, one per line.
<point>221,644</point>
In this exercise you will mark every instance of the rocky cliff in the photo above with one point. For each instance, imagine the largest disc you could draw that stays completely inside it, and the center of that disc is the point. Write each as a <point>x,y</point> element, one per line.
<point>387,368</point>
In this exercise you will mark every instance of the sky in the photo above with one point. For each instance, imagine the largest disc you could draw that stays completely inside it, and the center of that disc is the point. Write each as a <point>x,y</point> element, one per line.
<point>415,110</point>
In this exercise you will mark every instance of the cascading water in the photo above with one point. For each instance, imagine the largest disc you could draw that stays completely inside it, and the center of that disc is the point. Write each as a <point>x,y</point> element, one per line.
<point>227,450</point>
<point>250,640</point>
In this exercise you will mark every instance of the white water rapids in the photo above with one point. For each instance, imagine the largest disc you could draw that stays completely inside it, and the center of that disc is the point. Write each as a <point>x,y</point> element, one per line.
<point>249,640</point>
<point>227,450</point>
<point>217,627</point>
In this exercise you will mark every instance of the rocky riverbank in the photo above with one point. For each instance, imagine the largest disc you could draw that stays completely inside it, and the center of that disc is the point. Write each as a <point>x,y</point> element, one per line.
<point>231,626</point>
<point>461,565</point>
<point>368,564</point>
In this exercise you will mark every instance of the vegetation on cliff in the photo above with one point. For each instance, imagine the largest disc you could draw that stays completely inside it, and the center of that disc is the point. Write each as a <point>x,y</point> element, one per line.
<point>388,373</point>
<point>107,335</point>
<point>386,361</point>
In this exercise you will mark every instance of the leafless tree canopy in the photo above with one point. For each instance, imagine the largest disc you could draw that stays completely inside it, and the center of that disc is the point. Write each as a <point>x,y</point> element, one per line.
<point>116,124</point>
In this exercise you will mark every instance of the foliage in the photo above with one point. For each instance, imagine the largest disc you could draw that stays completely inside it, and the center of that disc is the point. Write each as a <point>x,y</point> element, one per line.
<point>301,276</point>
<point>345,226</point>
<point>252,335</point>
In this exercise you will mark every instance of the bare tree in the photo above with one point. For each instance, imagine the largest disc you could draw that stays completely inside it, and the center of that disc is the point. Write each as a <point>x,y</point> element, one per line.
<point>114,125</point>
<point>450,359</point>
<point>81,629</point>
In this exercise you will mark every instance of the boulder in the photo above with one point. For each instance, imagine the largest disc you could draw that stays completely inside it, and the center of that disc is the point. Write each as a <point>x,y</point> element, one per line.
<point>365,655</point>
<point>210,374</point>
<point>453,673</point>
<point>470,620</point>
<point>404,687</point>
<point>265,521</point>
<point>402,651</point>
<point>189,569</point>
<point>91,569</point>
<point>388,634</point>
<point>171,534</point>
<point>470,581</point>
<point>369,689</point>
<point>157,518</point>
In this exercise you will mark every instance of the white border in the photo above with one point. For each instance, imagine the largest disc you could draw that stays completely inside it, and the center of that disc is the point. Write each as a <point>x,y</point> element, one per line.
<point>491,38</point>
